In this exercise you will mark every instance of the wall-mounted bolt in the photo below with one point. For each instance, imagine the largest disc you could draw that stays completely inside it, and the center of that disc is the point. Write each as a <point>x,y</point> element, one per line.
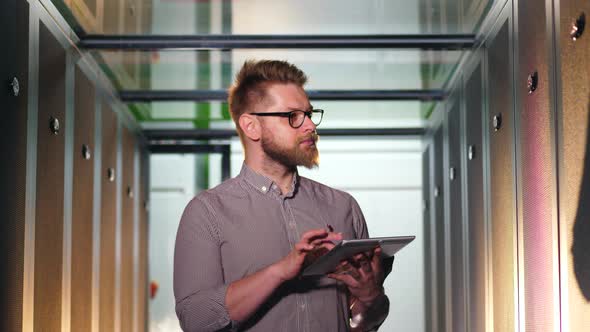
<point>111,174</point>
<point>497,121</point>
<point>578,27</point>
<point>15,86</point>
<point>86,152</point>
<point>532,82</point>
<point>471,152</point>
<point>54,125</point>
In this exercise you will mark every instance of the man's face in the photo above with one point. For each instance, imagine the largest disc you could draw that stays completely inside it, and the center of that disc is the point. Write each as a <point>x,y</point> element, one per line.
<point>281,142</point>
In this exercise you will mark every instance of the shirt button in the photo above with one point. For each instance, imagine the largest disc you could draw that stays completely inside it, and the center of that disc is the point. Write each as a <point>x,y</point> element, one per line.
<point>263,188</point>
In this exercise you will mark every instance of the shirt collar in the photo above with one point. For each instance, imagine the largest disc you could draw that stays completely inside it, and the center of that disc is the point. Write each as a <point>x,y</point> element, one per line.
<point>264,184</point>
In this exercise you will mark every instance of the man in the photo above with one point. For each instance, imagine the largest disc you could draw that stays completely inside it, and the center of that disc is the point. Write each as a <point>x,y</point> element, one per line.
<point>240,246</point>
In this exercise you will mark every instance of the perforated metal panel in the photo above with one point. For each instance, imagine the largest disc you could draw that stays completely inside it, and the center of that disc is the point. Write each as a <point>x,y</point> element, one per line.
<point>502,199</point>
<point>537,177</point>
<point>574,163</point>
<point>474,196</point>
<point>108,215</point>
<point>127,231</point>
<point>453,179</point>
<point>49,216</point>
<point>13,149</point>
<point>82,203</point>
<point>439,220</point>
<point>428,234</point>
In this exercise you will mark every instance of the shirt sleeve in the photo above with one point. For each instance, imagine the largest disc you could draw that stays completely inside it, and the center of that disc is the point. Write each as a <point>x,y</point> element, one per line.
<point>199,287</point>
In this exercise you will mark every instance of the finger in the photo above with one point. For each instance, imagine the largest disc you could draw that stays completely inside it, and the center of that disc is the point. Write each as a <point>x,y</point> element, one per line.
<point>353,262</point>
<point>366,266</point>
<point>347,279</point>
<point>314,233</point>
<point>342,264</point>
<point>358,259</point>
<point>345,268</point>
<point>365,273</point>
<point>376,261</point>
<point>303,247</point>
<point>316,242</point>
<point>342,268</point>
<point>334,237</point>
<point>330,237</point>
<point>328,245</point>
<point>355,273</point>
<point>377,251</point>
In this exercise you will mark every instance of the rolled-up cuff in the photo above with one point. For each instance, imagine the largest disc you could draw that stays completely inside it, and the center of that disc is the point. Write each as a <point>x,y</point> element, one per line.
<point>205,310</point>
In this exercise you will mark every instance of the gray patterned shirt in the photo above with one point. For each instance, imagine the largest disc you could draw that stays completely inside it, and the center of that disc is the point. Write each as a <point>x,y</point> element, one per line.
<point>245,224</point>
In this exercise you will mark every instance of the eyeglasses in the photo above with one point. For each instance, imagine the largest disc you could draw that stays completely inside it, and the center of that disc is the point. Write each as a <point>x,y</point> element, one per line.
<point>297,117</point>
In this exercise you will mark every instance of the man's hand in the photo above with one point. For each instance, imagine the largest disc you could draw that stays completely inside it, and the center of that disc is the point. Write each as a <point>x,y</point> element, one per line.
<point>364,277</point>
<point>245,296</point>
<point>290,266</point>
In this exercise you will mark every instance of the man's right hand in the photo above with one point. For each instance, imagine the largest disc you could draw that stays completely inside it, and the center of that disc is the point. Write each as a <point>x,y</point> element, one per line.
<point>245,296</point>
<point>290,266</point>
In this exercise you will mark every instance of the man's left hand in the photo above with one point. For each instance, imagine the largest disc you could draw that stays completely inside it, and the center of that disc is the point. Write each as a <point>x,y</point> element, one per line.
<point>364,277</point>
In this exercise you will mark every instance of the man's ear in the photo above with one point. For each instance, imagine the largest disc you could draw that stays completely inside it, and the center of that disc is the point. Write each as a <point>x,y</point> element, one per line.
<point>250,126</point>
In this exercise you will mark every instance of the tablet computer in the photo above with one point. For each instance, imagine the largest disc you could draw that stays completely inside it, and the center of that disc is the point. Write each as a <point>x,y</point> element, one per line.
<point>348,248</point>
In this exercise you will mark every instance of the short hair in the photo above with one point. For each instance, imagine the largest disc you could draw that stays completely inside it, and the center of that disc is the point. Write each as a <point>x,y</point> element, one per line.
<point>249,88</point>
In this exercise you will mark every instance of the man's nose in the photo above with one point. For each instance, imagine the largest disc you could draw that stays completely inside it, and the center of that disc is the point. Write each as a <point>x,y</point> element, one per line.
<point>308,125</point>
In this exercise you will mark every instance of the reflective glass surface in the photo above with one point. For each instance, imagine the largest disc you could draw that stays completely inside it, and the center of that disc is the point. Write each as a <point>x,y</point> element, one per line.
<point>326,69</point>
<point>275,17</point>
<point>337,114</point>
<point>339,69</point>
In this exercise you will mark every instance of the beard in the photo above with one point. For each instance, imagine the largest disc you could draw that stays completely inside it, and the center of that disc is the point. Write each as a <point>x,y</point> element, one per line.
<point>293,156</point>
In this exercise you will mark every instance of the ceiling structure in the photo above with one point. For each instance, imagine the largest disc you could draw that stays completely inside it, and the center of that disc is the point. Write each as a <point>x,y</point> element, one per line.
<point>377,67</point>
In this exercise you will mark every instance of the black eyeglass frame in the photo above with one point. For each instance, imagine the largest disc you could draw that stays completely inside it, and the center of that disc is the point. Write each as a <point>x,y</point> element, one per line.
<point>288,115</point>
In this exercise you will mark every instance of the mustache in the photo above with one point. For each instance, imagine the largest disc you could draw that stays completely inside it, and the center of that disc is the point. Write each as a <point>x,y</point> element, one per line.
<point>313,136</point>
